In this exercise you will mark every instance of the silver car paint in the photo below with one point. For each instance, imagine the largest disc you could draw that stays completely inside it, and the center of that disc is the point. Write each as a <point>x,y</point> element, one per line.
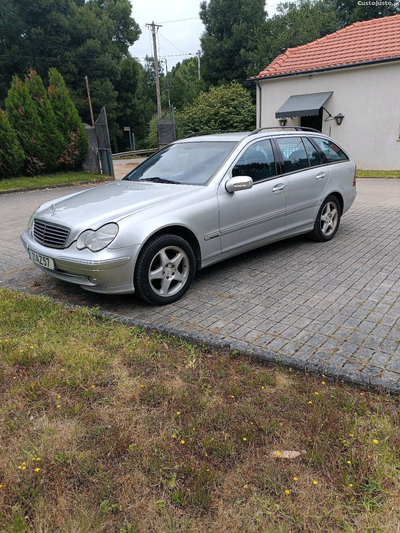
<point>224,224</point>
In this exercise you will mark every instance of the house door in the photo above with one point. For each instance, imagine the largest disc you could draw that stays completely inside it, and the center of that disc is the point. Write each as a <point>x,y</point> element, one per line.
<point>313,121</point>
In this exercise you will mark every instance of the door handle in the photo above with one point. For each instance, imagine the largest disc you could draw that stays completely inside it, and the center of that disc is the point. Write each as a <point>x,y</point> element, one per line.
<point>320,176</point>
<point>278,187</point>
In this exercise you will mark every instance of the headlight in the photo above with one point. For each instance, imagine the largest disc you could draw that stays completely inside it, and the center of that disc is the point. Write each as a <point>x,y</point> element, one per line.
<point>31,219</point>
<point>97,240</point>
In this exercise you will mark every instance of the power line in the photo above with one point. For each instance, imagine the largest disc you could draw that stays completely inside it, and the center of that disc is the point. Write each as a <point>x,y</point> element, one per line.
<point>179,20</point>
<point>170,42</point>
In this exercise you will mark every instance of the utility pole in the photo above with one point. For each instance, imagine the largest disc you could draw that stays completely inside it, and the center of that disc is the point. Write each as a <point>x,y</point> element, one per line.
<point>198,62</point>
<point>153,32</point>
<point>166,76</point>
<point>90,101</point>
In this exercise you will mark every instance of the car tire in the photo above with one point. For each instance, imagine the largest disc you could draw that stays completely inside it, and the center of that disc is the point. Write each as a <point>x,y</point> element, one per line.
<point>327,221</point>
<point>164,270</point>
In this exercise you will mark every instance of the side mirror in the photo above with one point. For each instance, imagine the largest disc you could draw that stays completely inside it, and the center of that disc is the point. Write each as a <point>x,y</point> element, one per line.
<point>239,183</point>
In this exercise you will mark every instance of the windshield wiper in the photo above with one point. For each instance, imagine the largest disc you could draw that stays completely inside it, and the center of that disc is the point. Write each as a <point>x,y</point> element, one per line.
<point>160,180</point>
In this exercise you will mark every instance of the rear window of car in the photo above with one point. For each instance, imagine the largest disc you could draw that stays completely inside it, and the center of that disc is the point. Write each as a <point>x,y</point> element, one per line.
<point>294,155</point>
<point>332,152</point>
<point>313,155</point>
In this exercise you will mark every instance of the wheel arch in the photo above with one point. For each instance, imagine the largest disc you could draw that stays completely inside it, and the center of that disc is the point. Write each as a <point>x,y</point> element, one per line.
<point>339,198</point>
<point>184,233</point>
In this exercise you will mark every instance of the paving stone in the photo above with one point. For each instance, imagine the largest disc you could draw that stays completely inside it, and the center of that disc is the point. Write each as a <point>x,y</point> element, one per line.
<point>335,305</point>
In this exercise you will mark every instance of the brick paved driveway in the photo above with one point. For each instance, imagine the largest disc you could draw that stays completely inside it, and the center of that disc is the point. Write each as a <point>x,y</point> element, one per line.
<point>331,308</point>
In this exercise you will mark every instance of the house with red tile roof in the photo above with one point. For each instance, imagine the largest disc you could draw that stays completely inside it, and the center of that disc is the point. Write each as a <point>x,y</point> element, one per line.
<point>347,85</point>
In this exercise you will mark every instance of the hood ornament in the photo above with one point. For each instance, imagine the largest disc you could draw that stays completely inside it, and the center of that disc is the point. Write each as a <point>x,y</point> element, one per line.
<point>53,209</point>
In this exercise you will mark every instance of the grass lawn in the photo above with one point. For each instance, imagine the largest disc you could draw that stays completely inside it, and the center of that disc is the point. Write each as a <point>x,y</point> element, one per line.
<point>106,428</point>
<point>378,173</point>
<point>49,179</point>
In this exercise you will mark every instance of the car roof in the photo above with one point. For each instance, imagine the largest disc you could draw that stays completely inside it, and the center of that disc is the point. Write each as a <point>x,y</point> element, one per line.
<point>216,137</point>
<point>238,136</point>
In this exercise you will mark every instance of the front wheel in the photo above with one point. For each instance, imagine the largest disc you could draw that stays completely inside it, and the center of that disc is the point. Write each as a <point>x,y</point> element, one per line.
<point>164,270</point>
<point>327,221</point>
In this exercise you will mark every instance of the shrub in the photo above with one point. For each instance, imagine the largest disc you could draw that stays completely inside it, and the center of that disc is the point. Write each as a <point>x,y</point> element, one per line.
<point>24,119</point>
<point>54,143</point>
<point>32,117</point>
<point>11,154</point>
<point>227,107</point>
<point>68,122</point>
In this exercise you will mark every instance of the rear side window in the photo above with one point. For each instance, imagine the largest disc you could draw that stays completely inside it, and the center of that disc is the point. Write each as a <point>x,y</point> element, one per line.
<point>294,155</point>
<point>331,151</point>
<point>257,161</point>
<point>313,155</point>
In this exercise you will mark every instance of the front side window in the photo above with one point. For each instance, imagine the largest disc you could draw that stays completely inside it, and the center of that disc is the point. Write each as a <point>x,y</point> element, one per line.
<point>191,163</point>
<point>331,151</point>
<point>294,155</point>
<point>257,161</point>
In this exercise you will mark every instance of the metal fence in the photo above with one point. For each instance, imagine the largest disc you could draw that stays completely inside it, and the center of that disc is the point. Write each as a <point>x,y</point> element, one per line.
<point>103,138</point>
<point>166,131</point>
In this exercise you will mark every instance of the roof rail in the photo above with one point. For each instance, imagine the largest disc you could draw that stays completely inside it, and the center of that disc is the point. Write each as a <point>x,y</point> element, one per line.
<point>297,128</point>
<point>210,132</point>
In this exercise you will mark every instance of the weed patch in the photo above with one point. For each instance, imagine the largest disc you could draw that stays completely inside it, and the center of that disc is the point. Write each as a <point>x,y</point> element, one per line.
<point>108,428</point>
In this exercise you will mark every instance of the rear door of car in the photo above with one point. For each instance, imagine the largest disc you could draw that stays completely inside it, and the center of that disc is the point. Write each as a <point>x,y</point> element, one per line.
<point>307,178</point>
<point>251,216</point>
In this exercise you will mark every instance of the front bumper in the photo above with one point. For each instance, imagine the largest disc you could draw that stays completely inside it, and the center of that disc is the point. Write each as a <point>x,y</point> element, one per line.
<point>107,271</point>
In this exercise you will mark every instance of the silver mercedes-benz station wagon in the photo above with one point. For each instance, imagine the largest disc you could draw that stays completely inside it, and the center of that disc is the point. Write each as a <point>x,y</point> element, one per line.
<point>198,201</point>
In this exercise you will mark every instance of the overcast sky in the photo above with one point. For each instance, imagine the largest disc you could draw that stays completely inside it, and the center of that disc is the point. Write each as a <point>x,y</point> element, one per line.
<point>175,39</point>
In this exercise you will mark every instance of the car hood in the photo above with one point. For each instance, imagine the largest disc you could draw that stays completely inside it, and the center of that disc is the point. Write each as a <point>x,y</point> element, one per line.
<point>108,203</point>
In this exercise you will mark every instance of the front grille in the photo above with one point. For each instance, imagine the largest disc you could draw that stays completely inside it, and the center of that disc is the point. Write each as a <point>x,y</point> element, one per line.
<point>50,235</point>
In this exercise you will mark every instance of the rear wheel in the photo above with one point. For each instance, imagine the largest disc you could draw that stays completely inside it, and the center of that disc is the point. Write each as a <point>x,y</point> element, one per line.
<point>327,221</point>
<point>164,270</point>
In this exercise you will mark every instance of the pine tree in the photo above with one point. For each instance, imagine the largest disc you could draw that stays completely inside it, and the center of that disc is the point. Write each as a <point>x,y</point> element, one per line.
<point>24,119</point>
<point>11,154</point>
<point>53,141</point>
<point>68,122</point>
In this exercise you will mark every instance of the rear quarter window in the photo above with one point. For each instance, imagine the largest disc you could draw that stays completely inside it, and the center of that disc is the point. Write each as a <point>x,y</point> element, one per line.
<point>331,151</point>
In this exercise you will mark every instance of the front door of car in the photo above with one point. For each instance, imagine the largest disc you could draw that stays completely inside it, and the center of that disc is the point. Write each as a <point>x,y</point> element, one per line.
<point>254,215</point>
<point>307,178</point>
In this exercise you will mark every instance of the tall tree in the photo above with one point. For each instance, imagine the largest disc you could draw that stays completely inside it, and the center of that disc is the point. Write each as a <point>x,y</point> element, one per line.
<point>232,28</point>
<point>79,38</point>
<point>350,11</point>
<point>68,122</point>
<point>12,156</point>
<point>184,82</point>
<point>293,25</point>
<point>53,143</point>
<point>304,21</point>
<point>24,118</point>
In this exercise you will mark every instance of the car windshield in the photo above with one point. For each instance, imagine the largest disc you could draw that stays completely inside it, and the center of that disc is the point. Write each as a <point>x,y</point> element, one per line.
<point>191,163</point>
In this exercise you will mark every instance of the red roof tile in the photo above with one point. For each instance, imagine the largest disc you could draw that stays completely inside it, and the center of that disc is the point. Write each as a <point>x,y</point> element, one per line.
<point>372,40</point>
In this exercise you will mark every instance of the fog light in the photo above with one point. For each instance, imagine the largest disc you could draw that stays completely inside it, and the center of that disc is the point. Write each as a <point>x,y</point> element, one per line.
<point>92,280</point>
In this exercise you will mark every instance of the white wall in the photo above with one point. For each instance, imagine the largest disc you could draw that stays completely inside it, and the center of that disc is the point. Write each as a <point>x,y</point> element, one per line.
<point>368,97</point>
